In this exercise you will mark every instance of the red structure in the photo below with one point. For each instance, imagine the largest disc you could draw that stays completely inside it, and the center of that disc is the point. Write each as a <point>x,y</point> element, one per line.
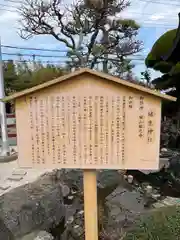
<point>11,125</point>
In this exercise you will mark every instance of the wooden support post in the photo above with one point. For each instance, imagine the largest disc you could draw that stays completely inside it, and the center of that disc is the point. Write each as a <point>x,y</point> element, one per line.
<point>90,205</point>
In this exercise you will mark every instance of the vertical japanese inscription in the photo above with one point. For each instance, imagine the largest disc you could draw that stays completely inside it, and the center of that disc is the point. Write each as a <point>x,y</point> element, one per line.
<point>53,128</point>
<point>141,125</point>
<point>106,131</point>
<point>68,101</point>
<point>63,129</point>
<point>99,136</point>
<point>101,127</point>
<point>150,129</point>
<point>37,129</point>
<point>118,127</point>
<point>42,130</point>
<point>58,127</point>
<point>74,102</point>
<point>32,130</point>
<point>130,102</point>
<point>96,129</point>
<point>80,129</point>
<point>90,128</point>
<point>141,103</point>
<point>123,128</point>
<point>47,126</point>
<point>85,129</point>
<point>141,120</point>
<point>58,114</point>
<point>112,127</point>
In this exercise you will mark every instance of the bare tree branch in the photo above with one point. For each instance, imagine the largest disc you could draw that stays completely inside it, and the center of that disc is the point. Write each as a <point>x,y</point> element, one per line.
<point>83,29</point>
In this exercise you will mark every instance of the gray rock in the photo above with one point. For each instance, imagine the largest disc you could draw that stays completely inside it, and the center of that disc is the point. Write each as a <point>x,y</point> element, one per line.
<point>43,235</point>
<point>38,235</point>
<point>5,233</point>
<point>38,205</point>
<point>164,150</point>
<point>65,190</point>
<point>114,191</point>
<point>41,205</point>
<point>30,236</point>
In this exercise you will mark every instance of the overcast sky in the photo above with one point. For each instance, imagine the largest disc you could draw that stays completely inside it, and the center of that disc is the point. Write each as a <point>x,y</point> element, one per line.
<point>154,16</point>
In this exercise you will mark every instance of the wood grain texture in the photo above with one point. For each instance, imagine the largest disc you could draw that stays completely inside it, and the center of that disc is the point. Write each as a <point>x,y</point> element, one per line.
<point>89,123</point>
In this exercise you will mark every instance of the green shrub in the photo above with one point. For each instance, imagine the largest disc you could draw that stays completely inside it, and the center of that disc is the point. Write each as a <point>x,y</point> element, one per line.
<point>161,47</point>
<point>162,224</point>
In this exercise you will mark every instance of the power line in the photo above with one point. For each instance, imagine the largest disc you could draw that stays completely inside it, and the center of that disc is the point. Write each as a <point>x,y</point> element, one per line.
<point>13,1</point>
<point>40,55</point>
<point>30,61</point>
<point>160,24</point>
<point>36,49</point>
<point>7,10</point>
<point>151,24</point>
<point>63,51</point>
<point>145,21</point>
<point>144,14</point>
<point>138,13</point>
<point>163,3</point>
<point>154,26</point>
<point>4,5</point>
<point>135,58</point>
<point>145,6</point>
<point>147,1</point>
<point>173,1</point>
<point>31,55</point>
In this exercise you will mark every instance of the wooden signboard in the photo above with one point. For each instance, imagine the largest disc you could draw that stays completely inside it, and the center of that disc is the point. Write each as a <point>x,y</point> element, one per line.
<point>88,120</point>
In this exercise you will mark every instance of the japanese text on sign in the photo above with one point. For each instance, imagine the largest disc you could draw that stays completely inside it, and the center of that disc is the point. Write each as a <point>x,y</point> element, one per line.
<point>87,130</point>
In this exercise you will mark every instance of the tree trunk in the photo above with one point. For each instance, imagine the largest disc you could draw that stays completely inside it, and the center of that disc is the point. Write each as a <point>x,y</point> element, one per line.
<point>105,61</point>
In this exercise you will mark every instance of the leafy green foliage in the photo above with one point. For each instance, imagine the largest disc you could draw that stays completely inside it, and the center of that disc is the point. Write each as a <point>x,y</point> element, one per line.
<point>37,76</point>
<point>164,82</point>
<point>146,76</point>
<point>10,76</point>
<point>175,70</point>
<point>162,66</point>
<point>161,224</point>
<point>154,60</point>
<point>170,69</point>
<point>160,48</point>
<point>22,76</point>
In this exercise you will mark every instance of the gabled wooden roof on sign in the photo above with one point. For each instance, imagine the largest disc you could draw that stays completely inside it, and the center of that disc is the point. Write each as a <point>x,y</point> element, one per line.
<point>93,73</point>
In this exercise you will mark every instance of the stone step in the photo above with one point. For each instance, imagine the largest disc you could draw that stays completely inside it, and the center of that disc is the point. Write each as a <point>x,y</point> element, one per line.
<point>19,172</point>
<point>4,186</point>
<point>171,201</point>
<point>158,205</point>
<point>15,178</point>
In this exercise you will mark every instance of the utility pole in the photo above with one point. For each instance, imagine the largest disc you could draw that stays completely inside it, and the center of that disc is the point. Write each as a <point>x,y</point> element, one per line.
<point>5,150</point>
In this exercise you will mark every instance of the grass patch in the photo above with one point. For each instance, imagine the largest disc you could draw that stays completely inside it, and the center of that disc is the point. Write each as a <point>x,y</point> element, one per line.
<point>161,224</point>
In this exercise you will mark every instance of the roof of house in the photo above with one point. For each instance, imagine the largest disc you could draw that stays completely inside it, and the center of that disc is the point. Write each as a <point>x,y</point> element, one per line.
<point>90,72</point>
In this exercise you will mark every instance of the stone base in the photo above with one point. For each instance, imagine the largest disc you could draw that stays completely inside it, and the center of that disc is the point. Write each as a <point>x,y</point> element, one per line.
<point>42,235</point>
<point>35,206</point>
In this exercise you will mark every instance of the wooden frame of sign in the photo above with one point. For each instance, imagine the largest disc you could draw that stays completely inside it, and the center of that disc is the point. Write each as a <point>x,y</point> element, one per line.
<point>88,120</point>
